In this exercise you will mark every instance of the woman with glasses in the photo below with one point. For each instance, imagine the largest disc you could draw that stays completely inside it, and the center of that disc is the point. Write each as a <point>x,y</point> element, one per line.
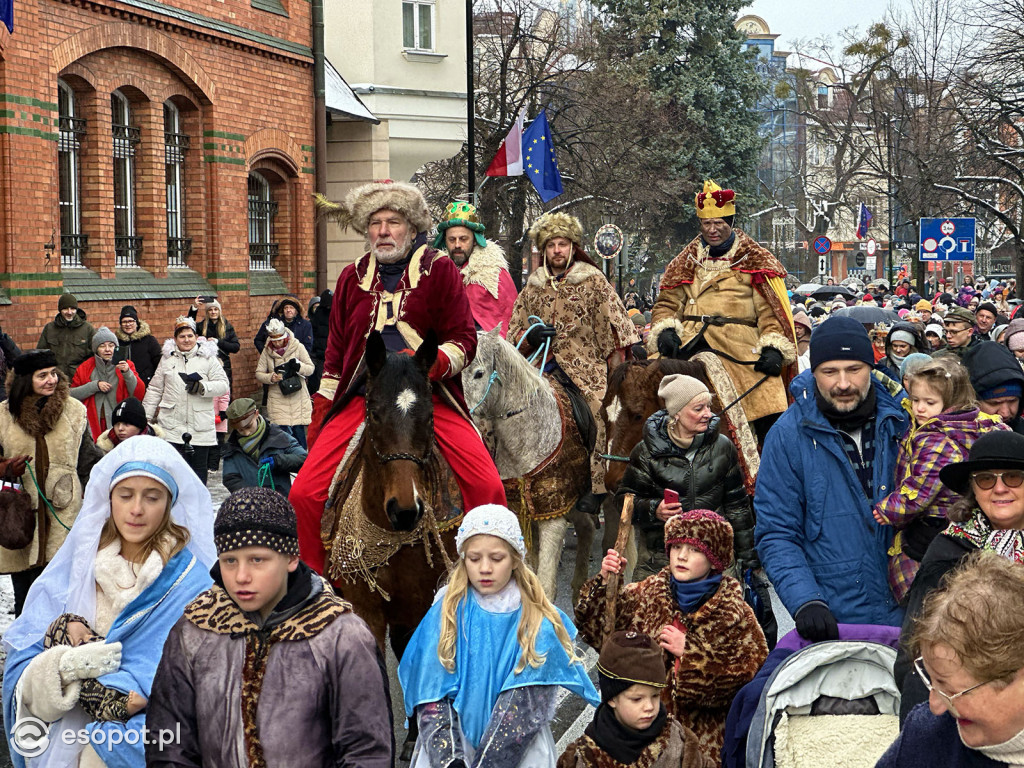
<point>969,647</point>
<point>990,516</point>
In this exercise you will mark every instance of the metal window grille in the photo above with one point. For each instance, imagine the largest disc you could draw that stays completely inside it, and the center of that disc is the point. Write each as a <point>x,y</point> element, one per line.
<point>71,129</point>
<point>127,250</point>
<point>127,246</point>
<point>263,250</point>
<point>178,251</point>
<point>176,144</point>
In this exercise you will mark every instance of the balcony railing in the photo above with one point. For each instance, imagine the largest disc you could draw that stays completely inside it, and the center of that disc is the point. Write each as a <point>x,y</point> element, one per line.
<point>178,251</point>
<point>263,255</point>
<point>127,250</point>
<point>72,247</point>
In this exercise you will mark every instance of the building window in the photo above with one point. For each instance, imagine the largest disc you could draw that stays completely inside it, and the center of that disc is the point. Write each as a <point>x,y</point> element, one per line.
<point>418,25</point>
<point>262,210</point>
<point>175,146</point>
<point>127,245</point>
<point>822,97</point>
<point>69,147</point>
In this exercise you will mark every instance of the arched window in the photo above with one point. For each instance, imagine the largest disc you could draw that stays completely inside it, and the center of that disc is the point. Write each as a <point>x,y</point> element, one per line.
<point>263,249</point>
<point>127,245</point>
<point>69,146</point>
<point>175,145</point>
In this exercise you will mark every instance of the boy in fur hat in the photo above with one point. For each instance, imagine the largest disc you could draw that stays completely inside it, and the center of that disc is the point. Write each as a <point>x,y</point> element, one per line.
<point>268,667</point>
<point>712,643</point>
<point>632,726</point>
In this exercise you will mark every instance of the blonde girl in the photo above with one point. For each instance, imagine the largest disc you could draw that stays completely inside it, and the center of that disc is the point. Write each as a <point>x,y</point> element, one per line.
<point>487,659</point>
<point>947,422</point>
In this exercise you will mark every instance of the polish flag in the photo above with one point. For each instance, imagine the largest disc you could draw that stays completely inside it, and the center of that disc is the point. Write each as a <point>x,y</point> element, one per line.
<point>509,159</point>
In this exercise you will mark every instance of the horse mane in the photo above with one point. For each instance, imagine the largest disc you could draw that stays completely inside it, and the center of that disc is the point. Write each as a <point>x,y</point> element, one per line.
<point>619,373</point>
<point>519,379</point>
<point>668,366</point>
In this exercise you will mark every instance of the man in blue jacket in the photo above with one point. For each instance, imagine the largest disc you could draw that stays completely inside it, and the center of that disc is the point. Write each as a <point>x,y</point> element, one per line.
<point>826,462</point>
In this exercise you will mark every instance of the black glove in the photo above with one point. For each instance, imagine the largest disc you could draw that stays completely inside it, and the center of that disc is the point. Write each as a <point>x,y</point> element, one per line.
<point>815,622</point>
<point>669,343</point>
<point>191,382</point>
<point>770,362</point>
<point>535,338</point>
<point>291,368</point>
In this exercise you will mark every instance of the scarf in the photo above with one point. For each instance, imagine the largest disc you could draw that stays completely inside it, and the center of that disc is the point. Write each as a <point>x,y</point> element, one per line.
<point>849,421</point>
<point>1008,543</point>
<point>105,402</point>
<point>251,443</point>
<point>1010,751</point>
<point>623,744</point>
<point>720,250</point>
<point>691,595</point>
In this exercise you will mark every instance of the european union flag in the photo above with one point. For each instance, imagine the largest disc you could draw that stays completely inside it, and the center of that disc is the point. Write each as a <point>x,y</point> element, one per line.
<point>7,14</point>
<point>539,159</point>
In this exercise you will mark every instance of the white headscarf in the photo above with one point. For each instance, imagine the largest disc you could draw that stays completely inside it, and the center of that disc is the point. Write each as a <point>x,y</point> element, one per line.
<point>68,584</point>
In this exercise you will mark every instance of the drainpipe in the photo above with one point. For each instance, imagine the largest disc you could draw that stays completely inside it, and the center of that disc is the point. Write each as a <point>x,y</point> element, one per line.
<point>319,141</point>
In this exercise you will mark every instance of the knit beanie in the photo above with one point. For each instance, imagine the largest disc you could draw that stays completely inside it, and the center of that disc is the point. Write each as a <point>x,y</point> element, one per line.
<point>912,361</point>
<point>705,531</point>
<point>34,360</point>
<point>840,338</point>
<point>130,411</point>
<point>1014,337</point>
<point>937,329</point>
<point>493,520</point>
<point>988,306</point>
<point>129,311</point>
<point>923,305</point>
<point>67,301</point>
<point>905,336</point>
<point>1006,389</point>
<point>256,517</point>
<point>101,336</point>
<point>677,390</point>
<point>628,658</point>
<point>214,303</point>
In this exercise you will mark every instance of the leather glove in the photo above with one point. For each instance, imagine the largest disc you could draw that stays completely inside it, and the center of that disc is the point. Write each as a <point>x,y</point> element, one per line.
<point>91,660</point>
<point>770,362</point>
<point>267,461</point>
<point>669,343</point>
<point>815,622</point>
<point>535,338</point>
<point>13,468</point>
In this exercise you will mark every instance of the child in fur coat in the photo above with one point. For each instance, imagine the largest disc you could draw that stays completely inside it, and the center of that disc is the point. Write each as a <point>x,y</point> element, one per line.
<point>712,644</point>
<point>632,726</point>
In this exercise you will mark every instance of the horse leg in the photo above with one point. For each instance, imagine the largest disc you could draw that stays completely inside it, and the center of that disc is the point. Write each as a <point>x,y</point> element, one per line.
<point>585,530</point>
<point>552,535</point>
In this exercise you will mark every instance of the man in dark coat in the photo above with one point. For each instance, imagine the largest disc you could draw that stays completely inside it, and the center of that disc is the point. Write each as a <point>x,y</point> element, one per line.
<point>289,311</point>
<point>8,351</point>
<point>320,319</point>
<point>998,380</point>
<point>254,447</point>
<point>68,336</point>
<point>137,344</point>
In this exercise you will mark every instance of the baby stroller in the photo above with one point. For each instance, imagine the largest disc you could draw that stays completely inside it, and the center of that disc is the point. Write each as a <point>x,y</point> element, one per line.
<point>827,705</point>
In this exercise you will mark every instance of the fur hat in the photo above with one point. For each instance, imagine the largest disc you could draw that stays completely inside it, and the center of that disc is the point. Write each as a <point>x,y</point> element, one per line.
<point>34,360</point>
<point>102,336</point>
<point>362,202</point>
<point>677,390</point>
<point>705,531</point>
<point>256,517</point>
<point>184,322</point>
<point>493,520</point>
<point>556,225</point>
<point>628,658</point>
<point>130,411</point>
<point>67,301</point>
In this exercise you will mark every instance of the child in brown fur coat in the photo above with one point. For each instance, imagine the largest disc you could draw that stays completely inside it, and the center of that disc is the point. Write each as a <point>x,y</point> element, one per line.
<point>711,641</point>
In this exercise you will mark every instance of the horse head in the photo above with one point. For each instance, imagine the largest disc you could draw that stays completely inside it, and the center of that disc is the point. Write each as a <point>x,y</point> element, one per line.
<point>399,434</point>
<point>481,376</point>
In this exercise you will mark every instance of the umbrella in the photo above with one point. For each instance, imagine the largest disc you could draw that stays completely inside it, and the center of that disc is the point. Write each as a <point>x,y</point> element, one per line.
<point>853,282</point>
<point>828,291</point>
<point>868,315</point>
<point>807,288</point>
<point>881,282</point>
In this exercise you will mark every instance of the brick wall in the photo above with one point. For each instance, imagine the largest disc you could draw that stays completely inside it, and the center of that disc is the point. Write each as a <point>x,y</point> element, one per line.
<point>241,79</point>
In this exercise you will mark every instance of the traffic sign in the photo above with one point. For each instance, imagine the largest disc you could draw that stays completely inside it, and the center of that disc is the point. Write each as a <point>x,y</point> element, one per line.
<point>859,260</point>
<point>947,239</point>
<point>872,246</point>
<point>822,244</point>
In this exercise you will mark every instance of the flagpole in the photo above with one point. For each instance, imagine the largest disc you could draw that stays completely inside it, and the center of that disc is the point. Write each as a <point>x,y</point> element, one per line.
<point>470,107</point>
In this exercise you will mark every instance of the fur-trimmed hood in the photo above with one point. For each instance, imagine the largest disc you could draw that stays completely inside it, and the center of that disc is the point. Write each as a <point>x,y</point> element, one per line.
<point>484,267</point>
<point>207,348</point>
<point>577,273</point>
<point>142,331</point>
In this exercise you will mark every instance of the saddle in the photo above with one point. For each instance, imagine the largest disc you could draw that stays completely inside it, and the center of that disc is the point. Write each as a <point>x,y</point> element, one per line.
<point>581,412</point>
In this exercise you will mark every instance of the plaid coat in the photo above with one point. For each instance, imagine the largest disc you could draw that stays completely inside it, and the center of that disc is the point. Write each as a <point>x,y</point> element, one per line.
<point>944,439</point>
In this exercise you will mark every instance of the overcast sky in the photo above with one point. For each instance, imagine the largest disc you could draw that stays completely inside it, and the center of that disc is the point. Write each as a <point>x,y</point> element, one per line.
<point>809,19</point>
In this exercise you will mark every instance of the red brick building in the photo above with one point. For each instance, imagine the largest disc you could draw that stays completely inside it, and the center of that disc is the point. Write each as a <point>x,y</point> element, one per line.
<point>154,151</point>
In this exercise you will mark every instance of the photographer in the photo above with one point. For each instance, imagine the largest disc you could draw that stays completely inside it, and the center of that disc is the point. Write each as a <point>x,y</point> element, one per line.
<point>284,365</point>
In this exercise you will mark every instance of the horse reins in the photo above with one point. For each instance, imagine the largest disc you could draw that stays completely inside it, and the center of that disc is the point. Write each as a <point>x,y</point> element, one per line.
<point>494,377</point>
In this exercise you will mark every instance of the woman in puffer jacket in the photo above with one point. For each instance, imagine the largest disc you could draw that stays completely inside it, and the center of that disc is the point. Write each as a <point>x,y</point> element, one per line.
<point>284,357</point>
<point>682,451</point>
<point>181,394</point>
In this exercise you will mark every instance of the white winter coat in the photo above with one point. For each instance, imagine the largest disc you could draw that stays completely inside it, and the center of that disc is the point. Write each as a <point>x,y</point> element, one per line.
<point>286,410</point>
<point>167,401</point>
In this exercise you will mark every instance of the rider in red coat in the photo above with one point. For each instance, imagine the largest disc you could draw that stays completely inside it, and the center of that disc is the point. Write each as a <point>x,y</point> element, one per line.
<point>402,288</point>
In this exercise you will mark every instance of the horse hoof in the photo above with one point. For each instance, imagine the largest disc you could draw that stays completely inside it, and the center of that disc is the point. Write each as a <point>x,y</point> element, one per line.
<point>407,750</point>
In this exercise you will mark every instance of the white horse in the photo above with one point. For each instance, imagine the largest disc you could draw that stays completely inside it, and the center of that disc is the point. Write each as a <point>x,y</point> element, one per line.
<point>519,411</point>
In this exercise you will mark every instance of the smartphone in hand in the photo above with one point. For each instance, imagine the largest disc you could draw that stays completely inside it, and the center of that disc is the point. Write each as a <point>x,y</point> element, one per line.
<point>671,497</point>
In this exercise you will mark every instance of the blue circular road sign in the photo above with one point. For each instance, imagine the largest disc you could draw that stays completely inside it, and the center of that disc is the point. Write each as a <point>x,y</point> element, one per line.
<point>822,244</point>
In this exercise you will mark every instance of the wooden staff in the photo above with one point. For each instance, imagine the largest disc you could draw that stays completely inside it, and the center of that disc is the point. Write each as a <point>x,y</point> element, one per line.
<point>611,589</point>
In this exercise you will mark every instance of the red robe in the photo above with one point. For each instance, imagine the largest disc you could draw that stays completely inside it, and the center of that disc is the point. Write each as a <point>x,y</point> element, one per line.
<point>83,375</point>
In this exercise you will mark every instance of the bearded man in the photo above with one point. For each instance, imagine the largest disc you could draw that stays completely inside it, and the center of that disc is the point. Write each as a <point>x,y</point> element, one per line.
<point>402,288</point>
<point>725,292</point>
<point>827,461</point>
<point>482,262</point>
<point>583,317</point>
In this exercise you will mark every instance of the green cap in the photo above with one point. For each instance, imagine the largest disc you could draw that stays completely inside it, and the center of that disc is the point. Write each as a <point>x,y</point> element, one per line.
<point>240,408</point>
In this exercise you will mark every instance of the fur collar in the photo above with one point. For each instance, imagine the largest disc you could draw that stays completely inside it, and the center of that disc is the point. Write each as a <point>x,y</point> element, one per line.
<point>37,422</point>
<point>121,581</point>
<point>142,331</point>
<point>748,257</point>
<point>206,348</point>
<point>578,273</point>
<point>484,267</point>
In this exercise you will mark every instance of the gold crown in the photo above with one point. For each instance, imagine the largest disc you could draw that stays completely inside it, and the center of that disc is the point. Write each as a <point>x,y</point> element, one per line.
<point>715,202</point>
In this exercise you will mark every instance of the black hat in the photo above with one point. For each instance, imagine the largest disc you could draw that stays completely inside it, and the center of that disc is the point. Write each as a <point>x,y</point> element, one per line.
<point>256,517</point>
<point>67,301</point>
<point>988,306</point>
<point>993,450</point>
<point>840,338</point>
<point>130,411</point>
<point>129,311</point>
<point>34,360</point>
